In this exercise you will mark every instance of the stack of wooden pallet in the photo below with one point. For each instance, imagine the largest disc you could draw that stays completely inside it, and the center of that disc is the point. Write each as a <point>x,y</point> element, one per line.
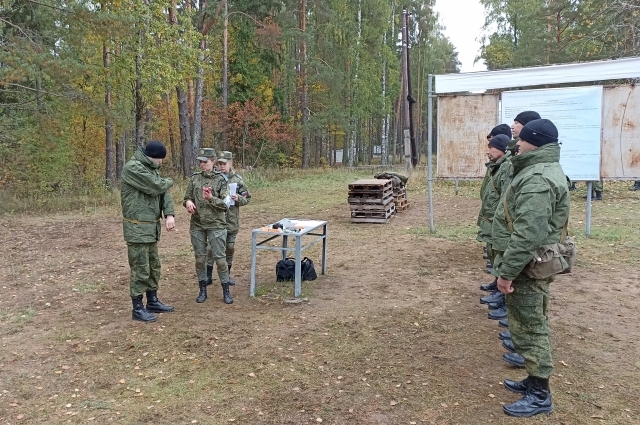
<point>400,198</point>
<point>371,201</point>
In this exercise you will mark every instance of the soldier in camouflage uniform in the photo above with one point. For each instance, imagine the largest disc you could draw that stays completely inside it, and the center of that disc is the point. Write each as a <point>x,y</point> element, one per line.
<point>518,122</point>
<point>535,209</point>
<point>207,200</point>
<point>495,178</point>
<point>241,198</point>
<point>145,199</point>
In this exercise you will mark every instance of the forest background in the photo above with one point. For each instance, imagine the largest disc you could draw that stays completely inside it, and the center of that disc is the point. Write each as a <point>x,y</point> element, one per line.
<point>278,83</point>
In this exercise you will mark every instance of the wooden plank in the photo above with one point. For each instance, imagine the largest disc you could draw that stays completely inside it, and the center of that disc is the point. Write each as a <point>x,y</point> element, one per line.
<point>371,184</point>
<point>374,213</point>
<point>371,220</point>
<point>360,200</point>
<point>374,207</point>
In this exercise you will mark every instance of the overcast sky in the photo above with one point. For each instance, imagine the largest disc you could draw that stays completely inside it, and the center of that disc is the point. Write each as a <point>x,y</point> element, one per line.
<point>463,20</point>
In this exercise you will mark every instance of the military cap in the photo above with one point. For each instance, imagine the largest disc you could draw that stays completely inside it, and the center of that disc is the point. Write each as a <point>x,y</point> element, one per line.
<point>206,154</point>
<point>225,156</point>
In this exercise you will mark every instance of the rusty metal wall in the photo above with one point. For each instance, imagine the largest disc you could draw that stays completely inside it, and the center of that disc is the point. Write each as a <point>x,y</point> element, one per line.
<point>620,146</point>
<point>463,124</point>
<point>464,121</point>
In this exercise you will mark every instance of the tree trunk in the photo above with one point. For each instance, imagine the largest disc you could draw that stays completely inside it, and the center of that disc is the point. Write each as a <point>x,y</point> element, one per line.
<point>303,81</point>
<point>185,132</point>
<point>197,109</point>
<point>225,80</point>
<point>177,166</point>
<point>110,153</point>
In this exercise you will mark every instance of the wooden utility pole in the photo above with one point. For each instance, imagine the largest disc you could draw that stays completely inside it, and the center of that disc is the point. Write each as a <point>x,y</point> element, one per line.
<point>410,153</point>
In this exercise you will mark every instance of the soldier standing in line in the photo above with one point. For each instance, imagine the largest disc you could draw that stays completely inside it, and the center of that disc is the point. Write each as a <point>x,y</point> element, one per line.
<point>145,200</point>
<point>535,210</point>
<point>207,200</point>
<point>518,122</point>
<point>241,198</point>
<point>491,188</point>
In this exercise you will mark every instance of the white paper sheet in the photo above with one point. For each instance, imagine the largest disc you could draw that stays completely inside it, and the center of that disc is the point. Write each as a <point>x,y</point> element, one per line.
<point>233,190</point>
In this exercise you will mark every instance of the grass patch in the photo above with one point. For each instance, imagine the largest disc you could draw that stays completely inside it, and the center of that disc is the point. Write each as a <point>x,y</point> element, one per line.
<point>24,316</point>
<point>84,288</point>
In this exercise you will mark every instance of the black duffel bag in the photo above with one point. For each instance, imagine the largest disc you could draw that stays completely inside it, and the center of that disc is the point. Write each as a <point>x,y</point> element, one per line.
<point>286,269</point>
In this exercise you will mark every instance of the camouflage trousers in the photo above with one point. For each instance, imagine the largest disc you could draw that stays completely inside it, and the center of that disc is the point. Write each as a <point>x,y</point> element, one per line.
<point>528,310</point>
<point>492,257</point>
<point>599,186</point>
<point>230,250</point>
<point>231,247</point>
<point>210,243</point>
<point>145,267</point>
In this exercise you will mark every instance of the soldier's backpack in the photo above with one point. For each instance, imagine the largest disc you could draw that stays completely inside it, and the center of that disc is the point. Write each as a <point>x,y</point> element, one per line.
<point>286,269</point>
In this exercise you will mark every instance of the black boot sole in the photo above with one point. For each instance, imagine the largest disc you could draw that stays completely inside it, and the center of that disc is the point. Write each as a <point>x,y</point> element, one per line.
<point>521,366</point>
<point>137,319</point>
<point>539,411</point>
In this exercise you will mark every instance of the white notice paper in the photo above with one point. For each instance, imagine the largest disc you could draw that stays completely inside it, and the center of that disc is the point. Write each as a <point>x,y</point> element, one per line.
<point>577,112</point>
<point>233,190</point>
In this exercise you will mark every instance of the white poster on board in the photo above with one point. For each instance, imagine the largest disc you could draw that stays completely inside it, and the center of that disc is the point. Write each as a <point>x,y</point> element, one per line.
<point>577,112</point>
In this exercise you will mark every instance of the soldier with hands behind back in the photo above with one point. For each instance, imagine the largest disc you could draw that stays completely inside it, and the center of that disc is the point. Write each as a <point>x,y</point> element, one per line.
<point>145,200</point>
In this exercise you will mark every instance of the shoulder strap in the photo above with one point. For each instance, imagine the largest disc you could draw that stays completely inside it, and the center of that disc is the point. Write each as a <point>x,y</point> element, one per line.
<point>506,213</point>
<point>492,182</point>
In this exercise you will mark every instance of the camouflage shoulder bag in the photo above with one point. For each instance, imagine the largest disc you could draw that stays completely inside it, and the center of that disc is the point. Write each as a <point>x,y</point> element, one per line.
<point>548,260</point>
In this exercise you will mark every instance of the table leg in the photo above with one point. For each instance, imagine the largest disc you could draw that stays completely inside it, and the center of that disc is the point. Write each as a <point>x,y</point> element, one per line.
<point>252,279</point>
<point>285,242</point>
<point>298,286</point>
<point>324,249</point>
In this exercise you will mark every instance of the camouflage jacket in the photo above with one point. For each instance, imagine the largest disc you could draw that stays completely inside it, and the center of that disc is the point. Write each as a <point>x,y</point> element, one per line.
<point>538,203</point>
<point>209,214</point>
<point>244,197</point>
<point>145,198</point>
<point>495,180</point>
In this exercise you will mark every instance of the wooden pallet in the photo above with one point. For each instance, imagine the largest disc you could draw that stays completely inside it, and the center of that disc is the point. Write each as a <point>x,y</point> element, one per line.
<point>371,185</point>
<point>370,200</point>
<point>400,192</point>
<point>372,207</point>
<point>381,214</point>
<point>402,205</point>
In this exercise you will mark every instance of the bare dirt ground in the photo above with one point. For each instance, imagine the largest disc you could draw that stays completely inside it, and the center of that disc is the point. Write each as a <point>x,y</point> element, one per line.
<point>393,334</point>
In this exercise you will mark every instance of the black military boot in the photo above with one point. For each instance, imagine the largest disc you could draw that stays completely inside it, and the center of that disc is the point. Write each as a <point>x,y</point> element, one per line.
<point>496,306</point>
<point>139,312</point>
<point>155,305</point>
<point>518,387</point>
<point>226,294</point>
<point>508,344</point>
<point>504,335</point>
<point>231,281</point>
<point>536,400</point>
<point>489,265</point>
<point>209,277</point>
<point>636,185</point>
<point>485,257</point>
<point>598,196</point>
<point>573,186</point>
<point>514,359</point>
<point>498,314</point>
<point>202,296</point>
<point>494,297</point>
<point>504,323</point>
<point>489,286</point>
